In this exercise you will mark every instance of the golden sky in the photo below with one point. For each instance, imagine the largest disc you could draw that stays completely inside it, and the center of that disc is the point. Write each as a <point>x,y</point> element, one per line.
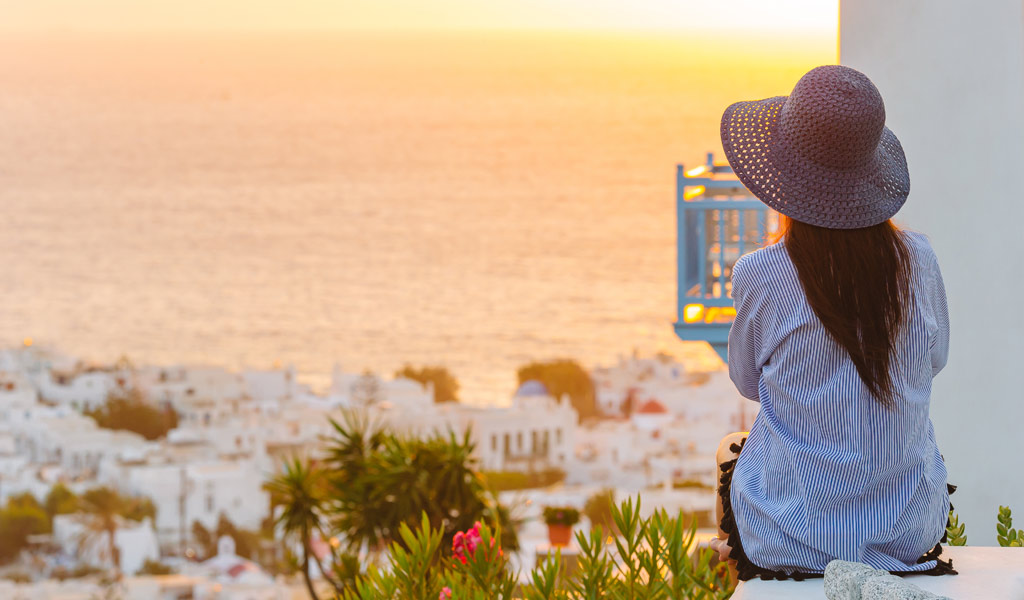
<point>796,16</point>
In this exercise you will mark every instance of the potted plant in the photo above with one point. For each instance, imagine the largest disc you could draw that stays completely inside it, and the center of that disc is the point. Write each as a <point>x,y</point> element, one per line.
<point>560,520</point>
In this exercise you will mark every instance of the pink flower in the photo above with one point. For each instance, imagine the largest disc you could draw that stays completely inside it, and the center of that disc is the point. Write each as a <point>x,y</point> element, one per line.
<point>464,544</point>
<point>446,594</point>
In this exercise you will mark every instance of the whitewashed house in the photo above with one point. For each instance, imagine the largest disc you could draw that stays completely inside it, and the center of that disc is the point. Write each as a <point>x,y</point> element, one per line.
<point>81,391</point>
<point>535,432</point>
<point>353,390</point>
<point>622,388</point>
<point>179,387</point>
<point>136,542</point>
<point>197,490</point>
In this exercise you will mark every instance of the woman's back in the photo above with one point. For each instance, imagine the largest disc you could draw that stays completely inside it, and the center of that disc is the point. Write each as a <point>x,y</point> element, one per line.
<point>828,471</point>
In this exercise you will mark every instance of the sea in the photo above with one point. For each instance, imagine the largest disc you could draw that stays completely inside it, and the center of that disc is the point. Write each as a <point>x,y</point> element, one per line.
<point>476,200</point>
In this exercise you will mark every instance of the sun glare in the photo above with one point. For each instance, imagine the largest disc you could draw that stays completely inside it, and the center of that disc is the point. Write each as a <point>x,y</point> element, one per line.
<point>798,16</point>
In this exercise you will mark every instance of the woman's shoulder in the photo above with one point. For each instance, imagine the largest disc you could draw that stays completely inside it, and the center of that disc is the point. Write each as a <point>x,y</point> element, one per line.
<point>921,246</point>
<point>917,240</point>
<point>767,260</point>
<point>764,268</point>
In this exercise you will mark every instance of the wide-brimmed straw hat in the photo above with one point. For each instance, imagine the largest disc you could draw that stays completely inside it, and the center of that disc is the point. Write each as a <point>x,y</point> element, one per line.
<point>821,155</point>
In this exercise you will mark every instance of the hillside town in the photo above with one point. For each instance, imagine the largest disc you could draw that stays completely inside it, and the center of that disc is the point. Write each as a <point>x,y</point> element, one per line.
<point>655,435</point>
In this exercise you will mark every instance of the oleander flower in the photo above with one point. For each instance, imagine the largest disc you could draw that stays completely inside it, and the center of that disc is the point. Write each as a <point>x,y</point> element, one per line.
<point>465,543</point>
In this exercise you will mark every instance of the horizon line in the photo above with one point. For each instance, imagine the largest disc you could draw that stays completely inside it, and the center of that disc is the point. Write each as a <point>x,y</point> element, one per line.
<point>699,31</point>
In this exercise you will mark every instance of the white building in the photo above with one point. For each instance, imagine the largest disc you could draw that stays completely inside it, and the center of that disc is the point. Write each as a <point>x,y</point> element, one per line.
<point>200,490</point>
<point>635,378</point>
<point>634,381</point>
<point>271,385</point>
<point>81,391</point>
<point>178,387</point>
<point>136,542</point>
<point>351,390</point>
<point>77,444</point>
<point>535,432</point>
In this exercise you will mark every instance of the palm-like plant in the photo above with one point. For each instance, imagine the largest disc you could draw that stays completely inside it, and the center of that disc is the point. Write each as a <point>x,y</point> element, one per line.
<point>381,481</point>
<point>355,441</point>
<point>298,490</point>
<point>104,507</point>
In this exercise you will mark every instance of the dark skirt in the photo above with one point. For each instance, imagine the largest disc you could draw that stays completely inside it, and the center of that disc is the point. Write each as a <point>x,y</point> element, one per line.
<point>746,570</point>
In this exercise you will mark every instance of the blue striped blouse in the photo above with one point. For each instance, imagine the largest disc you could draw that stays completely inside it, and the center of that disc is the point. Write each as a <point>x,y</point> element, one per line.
<point>827,472</point>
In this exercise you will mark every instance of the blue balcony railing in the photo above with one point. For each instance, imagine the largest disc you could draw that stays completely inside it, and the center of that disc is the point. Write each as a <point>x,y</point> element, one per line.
<point>718,221</point>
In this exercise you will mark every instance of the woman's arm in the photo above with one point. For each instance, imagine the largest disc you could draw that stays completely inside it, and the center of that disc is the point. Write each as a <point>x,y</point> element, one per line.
<point>939,344</point>
<point>745,336</point>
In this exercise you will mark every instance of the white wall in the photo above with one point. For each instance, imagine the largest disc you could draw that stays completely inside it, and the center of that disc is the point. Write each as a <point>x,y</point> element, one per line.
<point>952,76</point>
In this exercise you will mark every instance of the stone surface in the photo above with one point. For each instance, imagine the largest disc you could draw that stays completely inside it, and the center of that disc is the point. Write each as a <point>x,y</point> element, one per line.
<point>891,587</point>
<point>843,579</point>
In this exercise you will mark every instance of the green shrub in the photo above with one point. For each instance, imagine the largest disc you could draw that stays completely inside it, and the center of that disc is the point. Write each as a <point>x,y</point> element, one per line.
<point>654,559</point>
<point>598,508</point>
<point>561,515</point>
<point>691,484</point>
<point>1008,536</point>
<point>446,387</point>
<point>17,577</point>
<point>564,376</point>
<point>62,573</point>
<point>130,411</point>
<point>955,535</point>
<point>19,520</point>
<point>60,501</point>
<point>503,481</point>
<point>152,567</point>
<point>246,541</point>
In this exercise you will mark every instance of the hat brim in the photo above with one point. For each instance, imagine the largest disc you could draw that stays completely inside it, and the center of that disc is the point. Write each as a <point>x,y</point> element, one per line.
<point>802,189</point>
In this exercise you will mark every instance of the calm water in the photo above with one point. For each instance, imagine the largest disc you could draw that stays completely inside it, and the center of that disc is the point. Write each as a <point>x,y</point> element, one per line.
<point>470,200</point>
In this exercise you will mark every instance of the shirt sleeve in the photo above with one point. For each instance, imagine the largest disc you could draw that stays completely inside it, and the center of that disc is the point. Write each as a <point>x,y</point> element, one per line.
<point>746,334</point>
<point>939,343</point>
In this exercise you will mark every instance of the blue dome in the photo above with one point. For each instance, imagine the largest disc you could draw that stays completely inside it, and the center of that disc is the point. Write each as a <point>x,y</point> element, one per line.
<point>532,388</point>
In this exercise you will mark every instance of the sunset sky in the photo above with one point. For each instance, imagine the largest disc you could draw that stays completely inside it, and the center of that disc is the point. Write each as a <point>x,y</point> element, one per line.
<point>797,16</point>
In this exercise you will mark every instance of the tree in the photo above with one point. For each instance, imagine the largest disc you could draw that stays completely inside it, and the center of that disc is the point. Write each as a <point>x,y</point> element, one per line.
<point>246,541</point>
<point>298,491</point>
<point>366,390</point>
<point>19,520</point>
<point>564,376</point>
<point>205,539</point>
<point>371,485</point>
<point>381,481</point>
<point>356,439</point>
<point>599,507</point>
<point>25,500</point>
<point>446,387</point>
<point>60,501</point>
<point>103,505</point>
<point>129,411</point>
<point>138,508</point>
<point>152,567</point>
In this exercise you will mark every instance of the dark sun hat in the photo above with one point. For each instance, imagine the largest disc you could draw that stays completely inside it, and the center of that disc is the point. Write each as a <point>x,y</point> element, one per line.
<point>821,155</point>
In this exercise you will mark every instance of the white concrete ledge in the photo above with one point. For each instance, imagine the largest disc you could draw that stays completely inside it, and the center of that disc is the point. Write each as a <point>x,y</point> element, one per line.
<point>985,572</point>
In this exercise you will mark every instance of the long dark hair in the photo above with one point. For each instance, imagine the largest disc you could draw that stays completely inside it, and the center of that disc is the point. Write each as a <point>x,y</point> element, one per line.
<point>859,283</point>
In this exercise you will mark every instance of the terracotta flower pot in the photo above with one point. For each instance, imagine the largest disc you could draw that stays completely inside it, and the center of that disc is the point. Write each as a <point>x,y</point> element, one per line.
<point>559,535</point>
